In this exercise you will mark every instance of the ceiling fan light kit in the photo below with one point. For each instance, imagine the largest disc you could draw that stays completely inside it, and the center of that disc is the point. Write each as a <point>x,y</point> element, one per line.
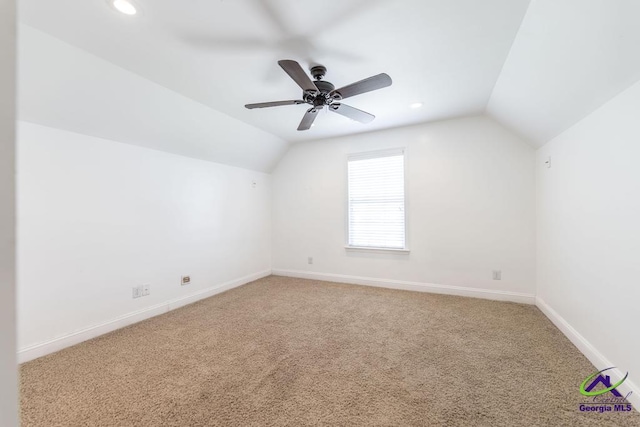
<point>321,93</point>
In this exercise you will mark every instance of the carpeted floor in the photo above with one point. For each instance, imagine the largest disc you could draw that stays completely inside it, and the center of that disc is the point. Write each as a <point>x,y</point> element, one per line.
<point>283,351</point>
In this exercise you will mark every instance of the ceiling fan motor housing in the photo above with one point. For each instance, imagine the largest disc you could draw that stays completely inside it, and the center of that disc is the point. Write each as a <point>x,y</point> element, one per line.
<point>324,86</point>
<point>322,98</point>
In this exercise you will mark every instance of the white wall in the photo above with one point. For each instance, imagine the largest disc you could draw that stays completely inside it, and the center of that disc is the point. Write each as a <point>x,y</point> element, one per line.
<point>589,231</point>
<point>471,189</point>
<point>8,369</point>
<point>97,217</point>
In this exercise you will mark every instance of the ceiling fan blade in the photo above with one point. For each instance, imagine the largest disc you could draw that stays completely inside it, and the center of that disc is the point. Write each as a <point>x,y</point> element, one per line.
<point>273,104</point>
<point>367,85</point>
<point>296,72</point>
<point>352,113</point>
<point>308,119</point>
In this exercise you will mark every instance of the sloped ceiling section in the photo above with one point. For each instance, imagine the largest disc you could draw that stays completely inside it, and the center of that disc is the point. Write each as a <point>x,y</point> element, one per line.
<point>223,54</point>
<point>176,76</point>
<point>64,87</point>
<point>568,59</point>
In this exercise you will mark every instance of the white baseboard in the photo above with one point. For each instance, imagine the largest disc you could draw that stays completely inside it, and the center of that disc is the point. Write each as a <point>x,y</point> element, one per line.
<point>412,286</point>
<point>595,357</point>
<point>42,349</point>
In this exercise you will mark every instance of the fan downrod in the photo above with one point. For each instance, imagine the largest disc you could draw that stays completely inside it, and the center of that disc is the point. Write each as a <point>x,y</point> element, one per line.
<point>318,71</point>
<point>321,98</point>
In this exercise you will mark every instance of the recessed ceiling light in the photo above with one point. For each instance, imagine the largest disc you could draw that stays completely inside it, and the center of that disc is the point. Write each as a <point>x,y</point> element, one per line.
<point>416,105</point>
<point>125,7</point>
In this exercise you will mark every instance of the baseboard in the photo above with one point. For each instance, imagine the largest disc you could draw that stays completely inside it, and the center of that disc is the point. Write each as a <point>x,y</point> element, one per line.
<point>42,349</point>
<point>595,357</point>
<point>412,286</point>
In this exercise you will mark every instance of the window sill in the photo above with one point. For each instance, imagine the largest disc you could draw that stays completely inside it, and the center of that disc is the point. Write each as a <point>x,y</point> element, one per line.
<point>376,250</point>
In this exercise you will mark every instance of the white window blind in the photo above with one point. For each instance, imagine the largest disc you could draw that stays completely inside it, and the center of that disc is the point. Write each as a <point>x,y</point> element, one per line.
<point>376,200</point>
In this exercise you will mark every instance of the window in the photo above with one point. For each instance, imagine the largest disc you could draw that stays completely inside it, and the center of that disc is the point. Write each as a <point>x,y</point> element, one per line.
<point>376,200</point>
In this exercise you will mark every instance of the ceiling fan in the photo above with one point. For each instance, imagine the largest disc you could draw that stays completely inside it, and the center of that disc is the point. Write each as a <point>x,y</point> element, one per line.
<point>321,93</point>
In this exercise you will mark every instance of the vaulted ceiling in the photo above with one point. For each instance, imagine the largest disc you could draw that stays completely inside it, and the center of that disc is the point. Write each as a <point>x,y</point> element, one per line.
<point>568,58</point>
<point>538,67</point>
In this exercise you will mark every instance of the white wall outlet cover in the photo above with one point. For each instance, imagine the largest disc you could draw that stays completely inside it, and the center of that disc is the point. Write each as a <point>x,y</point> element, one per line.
<point>497,275</point>
<point>185,280</point>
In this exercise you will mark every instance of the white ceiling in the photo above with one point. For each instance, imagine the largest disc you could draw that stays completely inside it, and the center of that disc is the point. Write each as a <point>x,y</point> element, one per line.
<point>65,87</point>
<point>568,59</point>
<point>223,53</point>
<point>185,69</point>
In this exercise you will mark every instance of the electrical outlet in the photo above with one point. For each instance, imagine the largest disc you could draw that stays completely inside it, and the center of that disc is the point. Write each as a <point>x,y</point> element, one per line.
<point>141,290</point>
<point>137,291</point>
<point>497,275</point>
<point>185,280</point>
<point>310,260</point>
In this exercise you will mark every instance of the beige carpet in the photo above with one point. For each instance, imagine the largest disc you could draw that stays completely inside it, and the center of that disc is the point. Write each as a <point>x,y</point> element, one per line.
<point>283,351</point>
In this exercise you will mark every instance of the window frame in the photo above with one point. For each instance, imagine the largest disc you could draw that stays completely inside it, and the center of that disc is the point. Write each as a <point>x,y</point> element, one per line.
<point>388,152</point>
